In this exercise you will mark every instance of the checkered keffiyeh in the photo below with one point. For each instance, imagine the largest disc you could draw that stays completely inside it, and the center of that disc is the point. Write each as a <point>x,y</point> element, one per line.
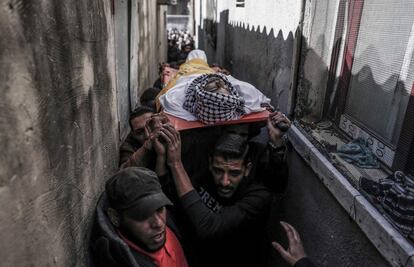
<point>211,107</point>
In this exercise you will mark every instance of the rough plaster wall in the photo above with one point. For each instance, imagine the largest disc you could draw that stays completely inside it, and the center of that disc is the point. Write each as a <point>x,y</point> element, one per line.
<point>58,127</point>
<point>162,33</point>
<point>255,43</point>
<point>149,55</point>
<point>262,59</point>
<point>318,30</point>
<point>330,236</point>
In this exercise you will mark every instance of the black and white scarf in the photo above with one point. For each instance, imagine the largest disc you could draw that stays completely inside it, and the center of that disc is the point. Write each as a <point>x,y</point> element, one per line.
<point>211,107</point>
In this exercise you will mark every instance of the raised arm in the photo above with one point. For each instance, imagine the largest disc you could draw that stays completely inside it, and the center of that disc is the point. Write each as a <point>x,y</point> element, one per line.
<point>138,158</point>
<point>172,138</point>
<point>253,206</point>
<point>272,166</point>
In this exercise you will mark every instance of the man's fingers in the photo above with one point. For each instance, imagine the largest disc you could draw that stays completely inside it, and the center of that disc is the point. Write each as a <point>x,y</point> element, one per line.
<point>147,131</point>
<point>269,123</point>
<point>289,233</point>
<point>157,139</point>
<point>294,234</point>
<point>284,120</point>
<point>166,137</point>
<point>274,113</point>
<point>172,135</point>
<point>174,132</point>
<point>168,133</point>
<point>168,130</point>
<point>280,118</point>
<point>283,252</point>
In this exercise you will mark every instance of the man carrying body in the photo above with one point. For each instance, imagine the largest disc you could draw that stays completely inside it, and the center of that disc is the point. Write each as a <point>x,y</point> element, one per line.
<point>131,228</point>
<point>267,150</point>
<point>138,150</point>
<point>134,150</point>
<point>225,209</point>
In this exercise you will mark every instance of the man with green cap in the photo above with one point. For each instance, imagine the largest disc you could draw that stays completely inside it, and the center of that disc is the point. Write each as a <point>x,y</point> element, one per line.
<point>132,227</point>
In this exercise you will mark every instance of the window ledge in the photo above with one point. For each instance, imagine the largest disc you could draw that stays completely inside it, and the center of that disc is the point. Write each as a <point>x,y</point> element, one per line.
<point>390,243</point>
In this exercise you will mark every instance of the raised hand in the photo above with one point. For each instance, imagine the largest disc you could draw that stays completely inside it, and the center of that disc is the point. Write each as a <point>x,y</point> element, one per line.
<point>276,119</point>
<point>173,141</point>
<point>295,251</point>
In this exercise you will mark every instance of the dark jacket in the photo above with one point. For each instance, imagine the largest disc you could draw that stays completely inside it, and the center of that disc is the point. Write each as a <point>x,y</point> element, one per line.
<point>108,249</point>
<point>304,262</point>
<point>228,232</point>
<point>269,166</point>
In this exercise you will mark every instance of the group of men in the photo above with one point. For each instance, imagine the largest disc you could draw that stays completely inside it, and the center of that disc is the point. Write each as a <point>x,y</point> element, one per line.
<point>194,198</point>
<point>180,43</point>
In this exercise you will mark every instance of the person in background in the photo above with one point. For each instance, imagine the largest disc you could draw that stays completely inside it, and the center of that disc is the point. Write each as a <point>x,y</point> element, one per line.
<point>148,97</point>
<point>166,72</point>
<point>216,67</point>
<point>295,253</point>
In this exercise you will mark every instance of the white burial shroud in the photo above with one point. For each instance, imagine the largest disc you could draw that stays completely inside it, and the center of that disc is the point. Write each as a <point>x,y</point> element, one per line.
<point>172,101</point>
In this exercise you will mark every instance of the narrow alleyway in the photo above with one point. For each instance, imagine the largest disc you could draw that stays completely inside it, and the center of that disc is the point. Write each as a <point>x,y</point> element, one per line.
<point>342,70</point>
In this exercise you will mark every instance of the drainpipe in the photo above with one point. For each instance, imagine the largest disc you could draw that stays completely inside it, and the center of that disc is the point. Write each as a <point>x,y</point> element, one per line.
<point>296,62</point>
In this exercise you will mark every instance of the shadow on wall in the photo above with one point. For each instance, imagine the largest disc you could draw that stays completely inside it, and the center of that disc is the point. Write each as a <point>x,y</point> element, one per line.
<point>251,54</point>
<point>60,137</point>
<point>379,103</point>
<point>266,61</point>
<point>321,94</point>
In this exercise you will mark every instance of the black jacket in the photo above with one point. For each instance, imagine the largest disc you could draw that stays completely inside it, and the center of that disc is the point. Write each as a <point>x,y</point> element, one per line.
<point>304,262</point>
<point>227,232</point>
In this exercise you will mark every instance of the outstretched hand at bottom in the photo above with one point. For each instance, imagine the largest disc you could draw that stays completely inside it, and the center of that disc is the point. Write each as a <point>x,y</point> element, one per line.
<point>295,251</point>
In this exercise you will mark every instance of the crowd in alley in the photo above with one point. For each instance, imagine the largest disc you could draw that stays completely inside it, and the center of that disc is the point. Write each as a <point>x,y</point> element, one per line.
<point>199,172</point>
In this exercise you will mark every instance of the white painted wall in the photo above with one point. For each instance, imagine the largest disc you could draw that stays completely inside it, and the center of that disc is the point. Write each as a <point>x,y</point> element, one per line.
<point>277,15</point>
<point>255,42</point>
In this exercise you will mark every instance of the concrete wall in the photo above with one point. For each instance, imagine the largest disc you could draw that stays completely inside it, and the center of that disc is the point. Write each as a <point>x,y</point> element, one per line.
<point>255,43</point>
<point>161,34</point>
<point>149,43</point>
<point>318,39</point>
<point>59,124</point>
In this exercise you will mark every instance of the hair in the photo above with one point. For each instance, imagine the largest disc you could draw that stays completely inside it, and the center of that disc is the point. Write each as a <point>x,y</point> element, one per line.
<point>174,65</point>
<point>139,111</point>
<point>148,97</point>
<point>190,45</point>
<point>231,146</point>
<point>161,66</point>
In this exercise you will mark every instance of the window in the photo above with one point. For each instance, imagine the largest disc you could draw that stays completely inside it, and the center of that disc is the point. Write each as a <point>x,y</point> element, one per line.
<point>240,3</point>
<point>377,76</point>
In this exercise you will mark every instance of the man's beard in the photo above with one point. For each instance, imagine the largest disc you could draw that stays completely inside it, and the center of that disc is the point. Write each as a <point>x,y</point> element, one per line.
<point>137,242</point>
